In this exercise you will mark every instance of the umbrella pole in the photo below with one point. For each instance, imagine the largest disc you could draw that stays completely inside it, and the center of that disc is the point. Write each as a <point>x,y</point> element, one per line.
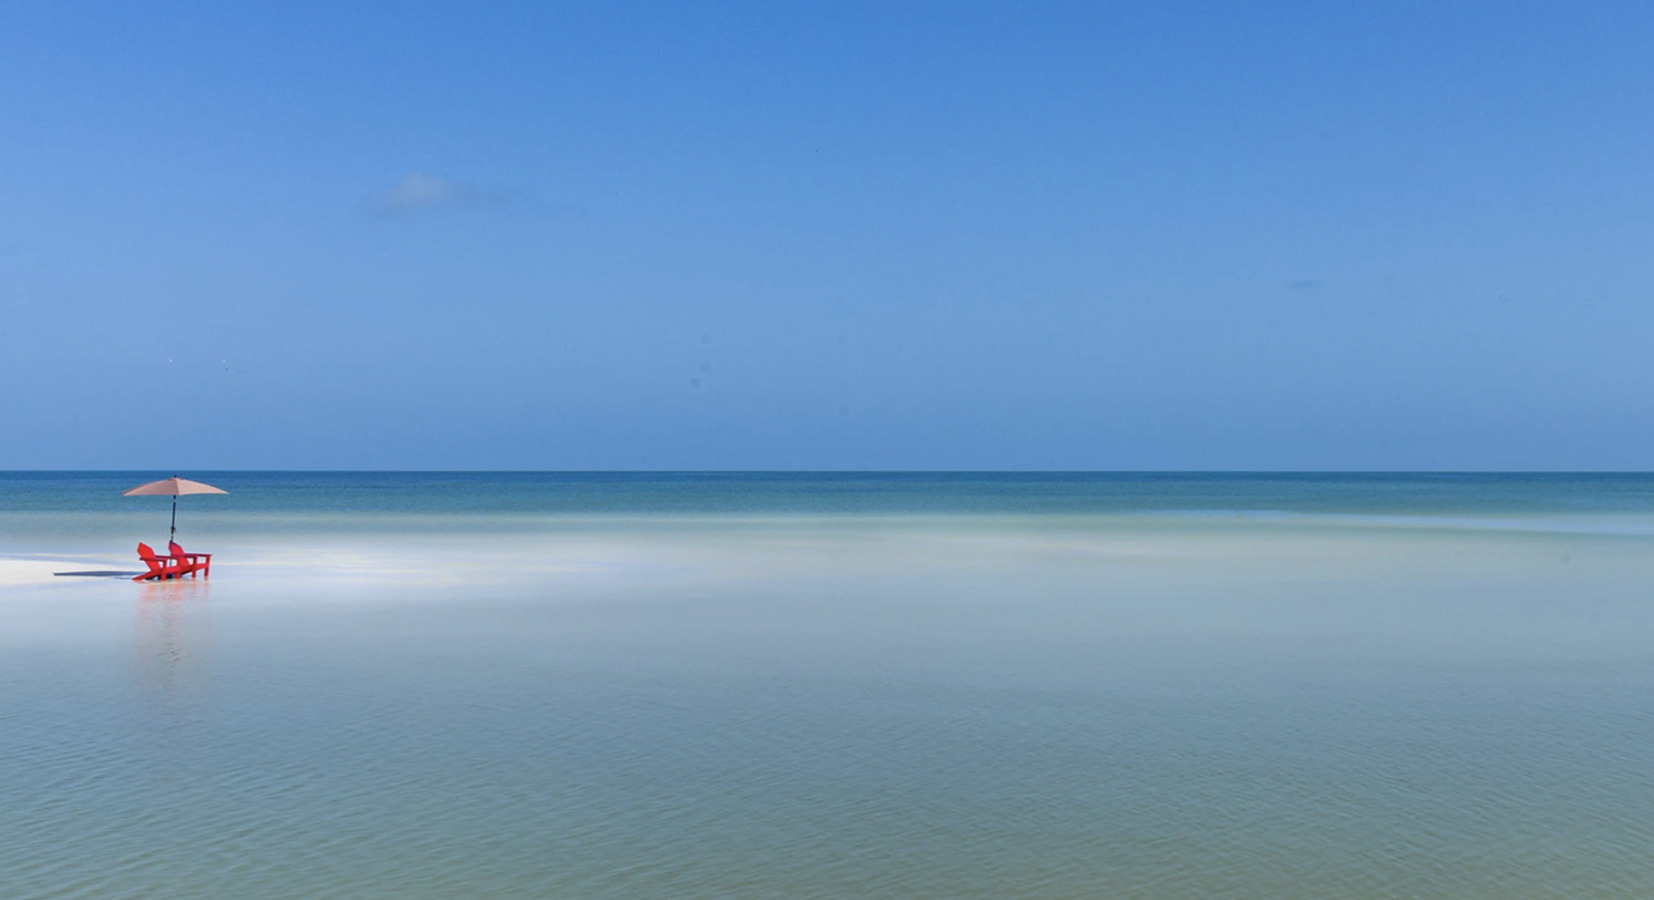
<point>174,535</point>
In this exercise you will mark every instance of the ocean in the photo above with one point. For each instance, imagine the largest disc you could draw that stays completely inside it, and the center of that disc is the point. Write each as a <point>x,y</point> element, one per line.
<point>934,685</point>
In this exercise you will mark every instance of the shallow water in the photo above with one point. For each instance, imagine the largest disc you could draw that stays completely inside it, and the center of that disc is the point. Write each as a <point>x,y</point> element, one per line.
<point>404,685</point>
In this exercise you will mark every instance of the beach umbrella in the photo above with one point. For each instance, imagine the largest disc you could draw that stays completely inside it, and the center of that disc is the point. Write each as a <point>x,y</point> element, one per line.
<point>173,487</point>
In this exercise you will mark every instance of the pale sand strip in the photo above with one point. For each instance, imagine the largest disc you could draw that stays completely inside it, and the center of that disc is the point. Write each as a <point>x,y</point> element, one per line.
<point>14,571</point>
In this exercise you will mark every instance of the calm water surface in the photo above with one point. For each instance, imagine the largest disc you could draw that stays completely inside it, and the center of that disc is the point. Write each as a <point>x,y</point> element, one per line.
<point>512,685</point>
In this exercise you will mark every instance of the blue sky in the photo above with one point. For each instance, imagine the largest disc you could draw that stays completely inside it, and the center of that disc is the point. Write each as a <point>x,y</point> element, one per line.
<point>611,236</point>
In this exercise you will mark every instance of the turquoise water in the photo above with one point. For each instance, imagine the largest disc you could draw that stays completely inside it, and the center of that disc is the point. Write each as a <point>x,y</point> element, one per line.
<point>441,685</point>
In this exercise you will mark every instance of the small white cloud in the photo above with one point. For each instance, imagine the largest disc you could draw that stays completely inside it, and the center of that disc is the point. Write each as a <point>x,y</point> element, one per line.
<point>417,191</point>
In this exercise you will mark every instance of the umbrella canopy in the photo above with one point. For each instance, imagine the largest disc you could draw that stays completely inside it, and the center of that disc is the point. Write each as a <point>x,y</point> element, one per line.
<point>172,487</point>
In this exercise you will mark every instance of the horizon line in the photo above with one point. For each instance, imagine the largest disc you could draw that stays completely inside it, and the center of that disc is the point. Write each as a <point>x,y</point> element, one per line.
<point>1260,472</point>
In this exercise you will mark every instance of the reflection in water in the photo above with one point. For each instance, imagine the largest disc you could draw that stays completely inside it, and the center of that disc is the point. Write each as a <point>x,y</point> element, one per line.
<point>173,640</point>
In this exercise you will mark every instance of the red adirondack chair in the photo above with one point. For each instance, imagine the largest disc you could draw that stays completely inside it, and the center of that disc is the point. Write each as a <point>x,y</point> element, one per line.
<point>160,567</point>
<point>190,560</point>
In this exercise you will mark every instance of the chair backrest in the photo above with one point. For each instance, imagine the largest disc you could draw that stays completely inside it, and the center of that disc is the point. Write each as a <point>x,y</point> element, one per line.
<point>174,549</point>
<point>147,555</point>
